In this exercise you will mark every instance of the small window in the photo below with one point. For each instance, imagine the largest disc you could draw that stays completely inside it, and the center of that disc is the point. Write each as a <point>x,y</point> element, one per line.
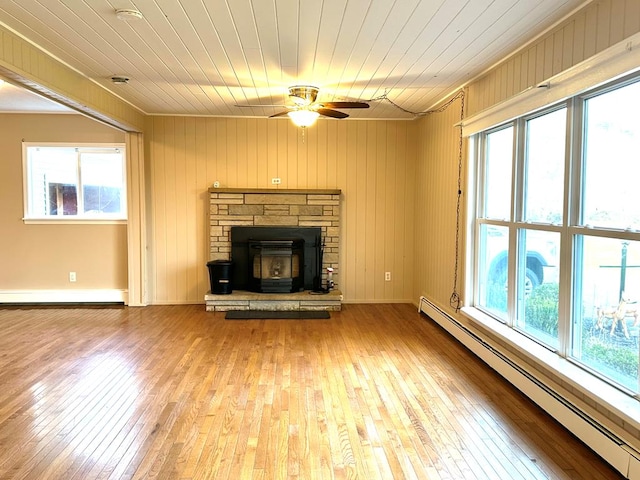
<point>74,182</point>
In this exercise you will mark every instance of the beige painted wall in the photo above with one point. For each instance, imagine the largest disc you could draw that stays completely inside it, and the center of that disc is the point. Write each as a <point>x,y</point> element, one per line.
<point>41,256</point>
<point>372,162</point>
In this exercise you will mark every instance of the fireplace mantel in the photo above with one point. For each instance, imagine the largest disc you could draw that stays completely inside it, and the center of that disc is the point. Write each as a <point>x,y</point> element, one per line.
<point>275,191</point>
<point>229,207</point>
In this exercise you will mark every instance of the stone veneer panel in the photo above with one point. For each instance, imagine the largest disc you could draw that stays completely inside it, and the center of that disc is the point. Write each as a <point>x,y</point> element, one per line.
<point>229,207</point>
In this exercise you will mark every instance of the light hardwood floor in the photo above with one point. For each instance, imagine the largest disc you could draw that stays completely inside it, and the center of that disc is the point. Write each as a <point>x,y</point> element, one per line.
<point>376,392</point>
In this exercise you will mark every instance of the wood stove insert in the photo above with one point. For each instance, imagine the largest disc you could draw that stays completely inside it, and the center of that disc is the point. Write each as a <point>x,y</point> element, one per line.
<point>305,264</point>
<point>276,265</point>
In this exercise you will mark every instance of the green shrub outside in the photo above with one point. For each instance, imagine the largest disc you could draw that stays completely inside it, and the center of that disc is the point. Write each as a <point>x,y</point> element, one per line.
<point>623,360</point>
<point>541,309</point>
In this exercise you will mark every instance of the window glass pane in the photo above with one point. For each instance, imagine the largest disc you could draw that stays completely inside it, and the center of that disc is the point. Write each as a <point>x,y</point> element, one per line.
<point>612,168</point>
<point>605,329</point>
<point>544,168</point>
<point>537,275</point>
<point>498,160</point>
<point>102,182</point>
<point>53,180</point>
<point>493,264</point>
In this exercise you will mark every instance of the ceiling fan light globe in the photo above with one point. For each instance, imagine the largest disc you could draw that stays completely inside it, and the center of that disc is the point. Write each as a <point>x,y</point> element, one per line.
<point>303,118</point>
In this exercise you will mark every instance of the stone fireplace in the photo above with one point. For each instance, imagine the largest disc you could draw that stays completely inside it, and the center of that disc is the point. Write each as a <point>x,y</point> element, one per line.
<point>276,211</point>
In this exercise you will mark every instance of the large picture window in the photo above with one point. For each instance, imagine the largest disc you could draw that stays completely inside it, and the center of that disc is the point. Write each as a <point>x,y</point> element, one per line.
<point>559,189</point>
<point>74,182</point>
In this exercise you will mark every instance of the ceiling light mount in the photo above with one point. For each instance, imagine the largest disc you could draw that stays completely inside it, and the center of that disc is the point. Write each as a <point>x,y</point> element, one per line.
<point>127,14</point>
<point>303,94</point>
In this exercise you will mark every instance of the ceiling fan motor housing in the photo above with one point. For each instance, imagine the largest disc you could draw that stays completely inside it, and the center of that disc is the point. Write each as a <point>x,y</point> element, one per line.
<point>303,94</point>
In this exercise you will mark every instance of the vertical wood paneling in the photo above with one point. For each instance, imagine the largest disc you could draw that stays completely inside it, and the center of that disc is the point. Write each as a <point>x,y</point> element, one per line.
<point>136,221</point>
<point>360,184</point>
<point>370,232</point>
<point>381,199</point>
<point>191,205</point>
<point>596,27</point>
<point>393,193</point>
<point>578,39</point>
<point>617,22</point>
<point>437,176</point>
<point>202,204</point>
<point>401,206</point>
<point>567,45</point>
<point>170,212</point>
<point>408,254</point>
<point>603,28</point>
<point>321,152</point>
<point>631,18</point>
<point>372,162</point>
<point>231,141</point>
<point>558,51</point>
<point>182,265</point>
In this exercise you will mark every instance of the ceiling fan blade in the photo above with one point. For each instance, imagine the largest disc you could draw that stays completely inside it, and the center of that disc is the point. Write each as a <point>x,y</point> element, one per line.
<point>281,114</point>
<point>345,104</point>
<point>327,112</point>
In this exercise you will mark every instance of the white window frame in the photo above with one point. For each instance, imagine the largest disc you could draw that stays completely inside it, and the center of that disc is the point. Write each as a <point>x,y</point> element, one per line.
<point>30,218</point>
<point>614,63</point>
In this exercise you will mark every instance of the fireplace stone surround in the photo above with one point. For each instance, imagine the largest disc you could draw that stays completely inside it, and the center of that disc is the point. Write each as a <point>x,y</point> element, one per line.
<point>229,207</point>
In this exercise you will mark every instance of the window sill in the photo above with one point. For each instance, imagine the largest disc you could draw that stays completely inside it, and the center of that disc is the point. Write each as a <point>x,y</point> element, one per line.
<point>615,404</point>
<point>74,221</point>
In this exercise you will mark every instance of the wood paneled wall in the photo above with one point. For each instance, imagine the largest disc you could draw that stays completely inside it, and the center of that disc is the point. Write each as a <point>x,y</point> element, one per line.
<point>597,26</point>
<point>437,177</point>
<point>372,162</point>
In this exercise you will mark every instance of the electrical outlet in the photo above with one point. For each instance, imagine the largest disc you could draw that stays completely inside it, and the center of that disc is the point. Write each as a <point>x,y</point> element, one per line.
<point>72,276</point>
<point>387,276</point>
<point>276,181</point>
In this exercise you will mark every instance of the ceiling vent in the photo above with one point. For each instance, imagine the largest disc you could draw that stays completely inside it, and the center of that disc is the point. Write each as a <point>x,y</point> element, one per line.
<point>120,80</point>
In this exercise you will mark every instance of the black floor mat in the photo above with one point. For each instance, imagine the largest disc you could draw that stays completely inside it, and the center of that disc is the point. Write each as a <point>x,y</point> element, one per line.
<point>272,315</point>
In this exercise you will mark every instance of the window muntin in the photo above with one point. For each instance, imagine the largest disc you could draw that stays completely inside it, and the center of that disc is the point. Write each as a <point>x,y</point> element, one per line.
<point>572,314</point>
<point>72,182</point>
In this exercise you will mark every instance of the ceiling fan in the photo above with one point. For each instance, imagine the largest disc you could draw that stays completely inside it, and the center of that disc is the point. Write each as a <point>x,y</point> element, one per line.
<point>306,110</point>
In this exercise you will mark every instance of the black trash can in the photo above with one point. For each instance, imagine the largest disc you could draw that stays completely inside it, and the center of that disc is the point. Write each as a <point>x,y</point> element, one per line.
<point>221,276</point>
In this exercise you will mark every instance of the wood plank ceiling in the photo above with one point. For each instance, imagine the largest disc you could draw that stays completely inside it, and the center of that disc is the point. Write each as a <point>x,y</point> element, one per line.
<point>204,57</point>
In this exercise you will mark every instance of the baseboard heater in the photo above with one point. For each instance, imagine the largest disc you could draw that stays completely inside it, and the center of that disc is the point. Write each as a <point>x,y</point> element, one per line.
<point>613,449</point>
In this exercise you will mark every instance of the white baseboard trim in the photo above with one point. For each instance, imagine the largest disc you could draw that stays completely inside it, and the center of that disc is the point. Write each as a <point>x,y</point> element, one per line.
<point>63,296</point>
<point>371,300</point>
